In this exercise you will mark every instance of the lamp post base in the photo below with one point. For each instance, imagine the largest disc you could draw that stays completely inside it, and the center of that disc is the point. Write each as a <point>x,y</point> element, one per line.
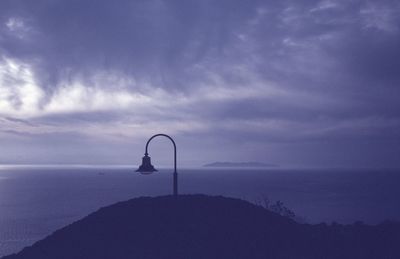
<point>175,184</point>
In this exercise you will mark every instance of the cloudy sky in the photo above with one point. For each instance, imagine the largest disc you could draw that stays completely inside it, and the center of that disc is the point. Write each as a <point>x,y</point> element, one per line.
<point>297,83</point>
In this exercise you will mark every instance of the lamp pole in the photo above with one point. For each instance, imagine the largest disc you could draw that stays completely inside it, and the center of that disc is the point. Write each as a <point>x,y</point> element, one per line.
<point>175,174</point>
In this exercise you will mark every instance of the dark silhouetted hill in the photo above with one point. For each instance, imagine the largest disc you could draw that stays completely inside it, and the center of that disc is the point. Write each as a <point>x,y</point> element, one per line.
<point>198,226</point>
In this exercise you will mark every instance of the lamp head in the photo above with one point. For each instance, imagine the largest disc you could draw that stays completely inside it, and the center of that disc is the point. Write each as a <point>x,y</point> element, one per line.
<point>146,167</point>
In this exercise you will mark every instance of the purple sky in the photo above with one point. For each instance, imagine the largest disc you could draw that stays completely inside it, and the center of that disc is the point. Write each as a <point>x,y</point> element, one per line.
<point>295,83</point>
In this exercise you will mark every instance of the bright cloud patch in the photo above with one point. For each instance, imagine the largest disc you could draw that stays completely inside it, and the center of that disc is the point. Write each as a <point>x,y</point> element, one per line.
<point>21,96</point>
<point>19,93</point>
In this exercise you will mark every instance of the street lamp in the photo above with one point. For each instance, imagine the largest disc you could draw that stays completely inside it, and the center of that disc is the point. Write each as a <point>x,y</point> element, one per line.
<point>147,168</point>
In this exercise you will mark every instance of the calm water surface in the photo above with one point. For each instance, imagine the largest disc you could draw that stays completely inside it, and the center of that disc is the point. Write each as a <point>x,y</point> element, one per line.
<point>34,202</point>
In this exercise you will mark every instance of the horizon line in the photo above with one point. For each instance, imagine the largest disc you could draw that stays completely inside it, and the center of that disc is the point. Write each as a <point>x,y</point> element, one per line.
<point>79,165</point>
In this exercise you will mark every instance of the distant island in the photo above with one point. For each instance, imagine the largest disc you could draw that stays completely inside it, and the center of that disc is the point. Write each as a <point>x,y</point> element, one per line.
<point>239,164</point>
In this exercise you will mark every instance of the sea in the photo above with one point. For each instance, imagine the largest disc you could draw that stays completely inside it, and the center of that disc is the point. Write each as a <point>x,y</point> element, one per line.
<point>35,201</point>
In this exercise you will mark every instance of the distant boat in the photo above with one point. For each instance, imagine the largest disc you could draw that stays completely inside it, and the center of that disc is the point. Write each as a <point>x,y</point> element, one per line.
<point>239,164</point>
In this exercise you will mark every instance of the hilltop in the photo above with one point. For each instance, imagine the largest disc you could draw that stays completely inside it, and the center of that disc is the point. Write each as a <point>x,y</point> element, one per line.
<point>199,226</point>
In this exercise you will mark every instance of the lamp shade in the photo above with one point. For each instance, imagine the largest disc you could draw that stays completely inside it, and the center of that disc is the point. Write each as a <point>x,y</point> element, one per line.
<point>146,167</point>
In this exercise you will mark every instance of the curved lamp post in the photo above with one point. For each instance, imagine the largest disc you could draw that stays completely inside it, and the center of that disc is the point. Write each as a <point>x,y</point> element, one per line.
<point>147,168</point>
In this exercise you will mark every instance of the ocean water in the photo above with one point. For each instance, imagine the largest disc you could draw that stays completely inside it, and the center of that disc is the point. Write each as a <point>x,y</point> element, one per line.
<point>35,201</point>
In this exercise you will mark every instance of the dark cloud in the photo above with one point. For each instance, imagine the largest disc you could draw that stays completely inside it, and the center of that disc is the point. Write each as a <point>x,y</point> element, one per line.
<point>154,40</point>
